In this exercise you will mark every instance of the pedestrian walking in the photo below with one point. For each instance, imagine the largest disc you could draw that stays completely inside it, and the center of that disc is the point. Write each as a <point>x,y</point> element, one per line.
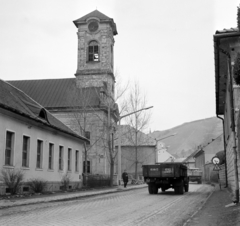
<point>125,178</point>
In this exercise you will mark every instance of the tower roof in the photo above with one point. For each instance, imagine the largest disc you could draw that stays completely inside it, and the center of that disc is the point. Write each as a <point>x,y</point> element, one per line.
<point>102,17</point>
<point>94,13</point>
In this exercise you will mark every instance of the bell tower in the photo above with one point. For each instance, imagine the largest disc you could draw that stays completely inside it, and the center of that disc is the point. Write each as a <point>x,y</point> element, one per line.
<point>95,62</point>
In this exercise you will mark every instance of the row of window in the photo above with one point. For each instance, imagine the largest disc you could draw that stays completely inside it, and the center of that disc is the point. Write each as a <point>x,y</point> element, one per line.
<point>9,154</point>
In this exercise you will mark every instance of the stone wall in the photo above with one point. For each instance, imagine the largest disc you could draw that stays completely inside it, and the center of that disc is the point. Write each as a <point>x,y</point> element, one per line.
<point>97,80</point>
<point>95,73</point>
<point>230,163</point>
<point>229,140</point>
<point>104,37</point>
<point>96,125</point>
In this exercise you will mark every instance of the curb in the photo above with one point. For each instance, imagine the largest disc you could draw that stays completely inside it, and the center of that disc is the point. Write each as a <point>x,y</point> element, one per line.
<point>65,198</point>
<point>190,218</point>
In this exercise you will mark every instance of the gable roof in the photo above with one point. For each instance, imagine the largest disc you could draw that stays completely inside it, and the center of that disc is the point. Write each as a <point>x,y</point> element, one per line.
<point>102,17</point>
<point>16,101</point>
<point>58,93</point>
<point>94,13</point>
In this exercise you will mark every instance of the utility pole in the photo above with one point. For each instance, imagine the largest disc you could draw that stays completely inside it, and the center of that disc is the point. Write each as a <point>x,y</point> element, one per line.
<point>136,147</point>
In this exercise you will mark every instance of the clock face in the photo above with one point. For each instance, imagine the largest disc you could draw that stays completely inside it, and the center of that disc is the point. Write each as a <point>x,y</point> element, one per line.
<point>93,26</point>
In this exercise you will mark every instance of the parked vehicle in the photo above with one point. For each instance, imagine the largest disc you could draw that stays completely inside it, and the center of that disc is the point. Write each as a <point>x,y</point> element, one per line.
<point>195,175</point>
<point>166,175</point>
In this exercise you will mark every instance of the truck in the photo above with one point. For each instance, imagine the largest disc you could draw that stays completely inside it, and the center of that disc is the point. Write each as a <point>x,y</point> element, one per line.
<point>195,175</point>
<point>166,175</point>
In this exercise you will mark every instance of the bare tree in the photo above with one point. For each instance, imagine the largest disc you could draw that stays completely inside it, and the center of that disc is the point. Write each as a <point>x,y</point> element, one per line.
<point>84,114</point>
<point>137,121</point>
<point>113,115</point>
<point>94,109</point>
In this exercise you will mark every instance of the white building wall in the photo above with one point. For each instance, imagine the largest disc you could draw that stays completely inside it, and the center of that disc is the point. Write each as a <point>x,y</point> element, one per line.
<point>22,128</point>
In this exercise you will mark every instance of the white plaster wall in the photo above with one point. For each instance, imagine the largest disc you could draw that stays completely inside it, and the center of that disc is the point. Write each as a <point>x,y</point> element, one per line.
<point>21,128</point>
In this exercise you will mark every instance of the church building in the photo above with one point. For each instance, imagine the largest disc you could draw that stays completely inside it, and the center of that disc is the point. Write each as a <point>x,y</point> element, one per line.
<point>85,103</point>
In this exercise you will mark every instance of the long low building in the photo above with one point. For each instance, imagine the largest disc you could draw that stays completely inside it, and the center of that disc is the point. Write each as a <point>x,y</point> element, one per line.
<point>34,141</point>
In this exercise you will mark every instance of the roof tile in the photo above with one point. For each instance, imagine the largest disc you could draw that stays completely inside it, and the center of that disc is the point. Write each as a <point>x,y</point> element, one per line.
<point>58,93</point>
<point>16,100</point>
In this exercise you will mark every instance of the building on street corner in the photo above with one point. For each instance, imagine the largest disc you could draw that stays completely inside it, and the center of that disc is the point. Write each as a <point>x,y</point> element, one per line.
<point>227,89</point>
<point>34,141</point>
<point>85,103</point>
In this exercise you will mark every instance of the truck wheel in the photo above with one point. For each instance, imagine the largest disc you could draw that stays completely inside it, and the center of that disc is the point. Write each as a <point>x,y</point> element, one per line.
<point>150,189</point>
<point>186,187</point>
<point>176,190</point>
<point>155,189</point>
<point>181,188</point>
<point>163,189</point>
<point>199,182</point>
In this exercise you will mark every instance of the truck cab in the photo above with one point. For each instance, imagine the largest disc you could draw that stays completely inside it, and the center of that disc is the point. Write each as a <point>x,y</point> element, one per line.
<point>195,175</point>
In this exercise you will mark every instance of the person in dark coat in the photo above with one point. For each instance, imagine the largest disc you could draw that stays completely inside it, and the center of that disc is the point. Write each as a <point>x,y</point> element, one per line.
<point>125,178</point>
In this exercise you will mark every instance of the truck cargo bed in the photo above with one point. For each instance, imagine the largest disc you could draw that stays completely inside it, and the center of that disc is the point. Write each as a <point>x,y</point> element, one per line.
<point>164,170</point>
<point>166,175</point>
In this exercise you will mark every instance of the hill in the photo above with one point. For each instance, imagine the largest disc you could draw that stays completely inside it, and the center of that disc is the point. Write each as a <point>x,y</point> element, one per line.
<point>189,136</point>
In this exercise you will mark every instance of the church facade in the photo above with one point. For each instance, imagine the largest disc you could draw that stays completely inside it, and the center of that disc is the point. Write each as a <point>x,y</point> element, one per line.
<point>85,103</point>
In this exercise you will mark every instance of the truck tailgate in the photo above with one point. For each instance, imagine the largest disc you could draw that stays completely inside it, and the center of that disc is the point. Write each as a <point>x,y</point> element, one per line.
<point>164,170</point>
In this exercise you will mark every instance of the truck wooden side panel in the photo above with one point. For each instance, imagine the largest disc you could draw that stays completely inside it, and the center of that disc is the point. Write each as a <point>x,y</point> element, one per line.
<point>164,170</point>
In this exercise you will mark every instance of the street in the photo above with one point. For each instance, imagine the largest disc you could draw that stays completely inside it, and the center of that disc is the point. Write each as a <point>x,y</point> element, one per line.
<point>133,207</point>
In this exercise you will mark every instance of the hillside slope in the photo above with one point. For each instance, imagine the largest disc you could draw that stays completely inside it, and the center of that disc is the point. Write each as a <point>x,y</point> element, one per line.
<point>189,136</point>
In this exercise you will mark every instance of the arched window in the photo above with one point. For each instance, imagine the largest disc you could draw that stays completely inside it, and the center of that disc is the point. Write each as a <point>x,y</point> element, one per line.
<point>93,51</point>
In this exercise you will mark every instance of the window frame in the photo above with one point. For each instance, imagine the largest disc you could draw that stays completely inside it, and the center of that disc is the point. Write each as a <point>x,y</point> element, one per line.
<point>50,156</point>
<point>40,154</point>
<point>69,159</point>
<point>25,151</point>
<point>77,161</point>
<point>95,51</point>
<point>60,158</point>
<point>9,148</point>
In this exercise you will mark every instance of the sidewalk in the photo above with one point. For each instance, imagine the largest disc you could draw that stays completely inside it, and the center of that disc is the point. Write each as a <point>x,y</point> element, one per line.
<point>12,202</point>
<point>214,211</point>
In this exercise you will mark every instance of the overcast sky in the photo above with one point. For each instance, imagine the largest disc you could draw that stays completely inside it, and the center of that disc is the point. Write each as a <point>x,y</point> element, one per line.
<point>165,45</point>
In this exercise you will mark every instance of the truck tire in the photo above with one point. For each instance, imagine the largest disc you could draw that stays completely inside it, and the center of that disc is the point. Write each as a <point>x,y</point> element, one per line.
<point>163,189</point>
<point>176,190</point>
<point>186,187</point>
<point>150,189</point>
<point>155,189</point>
<point>200,181</point>
<point>181,188</point>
